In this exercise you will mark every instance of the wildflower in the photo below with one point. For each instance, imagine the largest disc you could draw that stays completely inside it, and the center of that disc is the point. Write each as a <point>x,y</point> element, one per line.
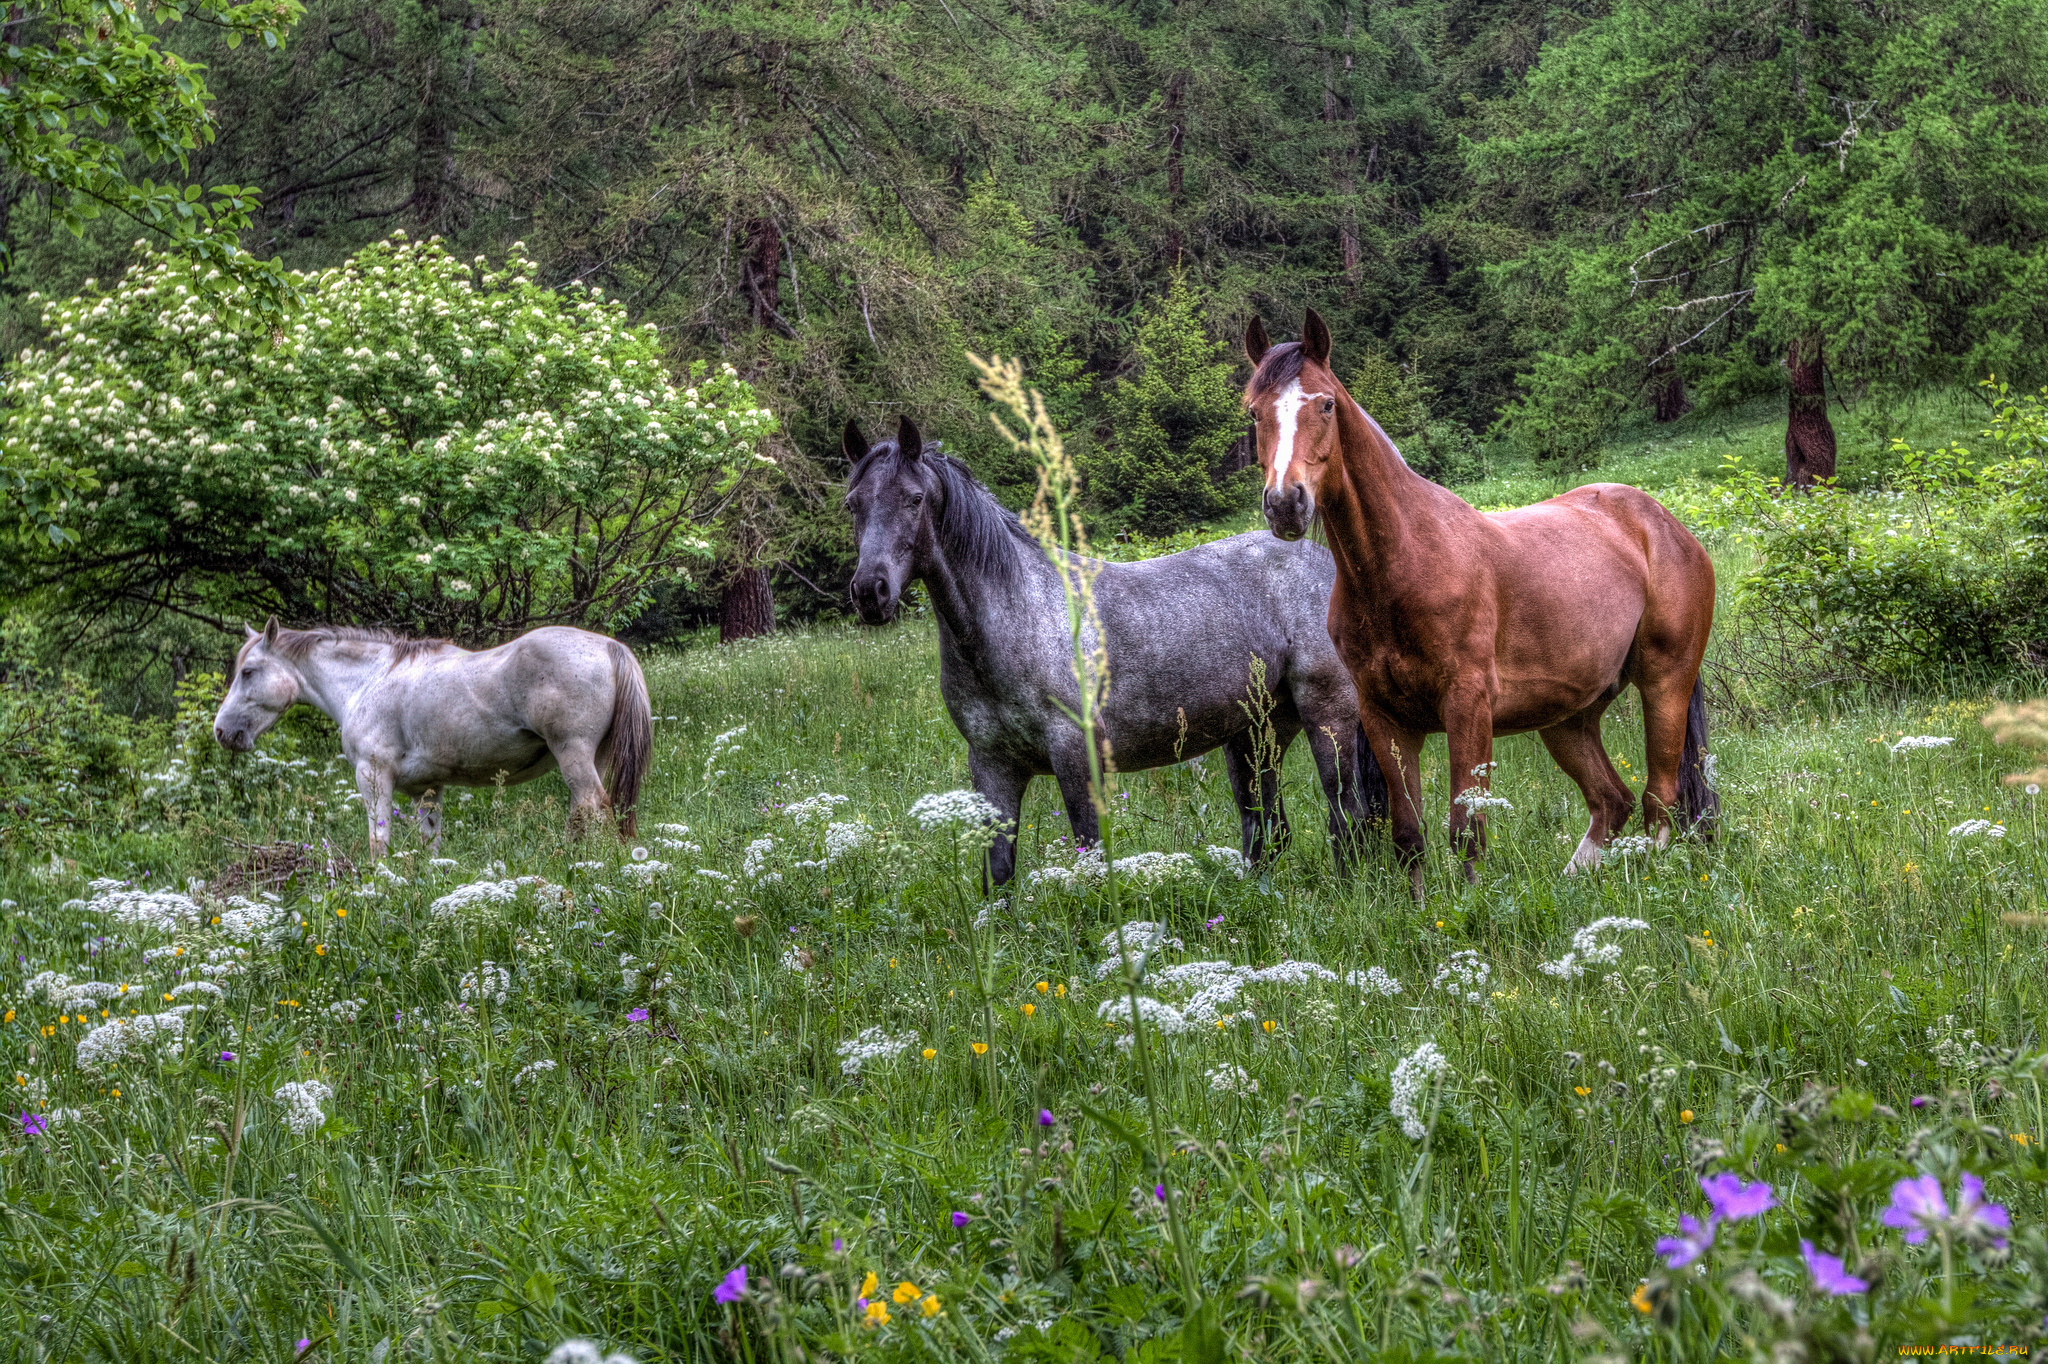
<point>1374,981</point>
<point>301,1100</point>
<point>980,1048</point>
<point>1410,1078</point>
<point>584,1352</point>
<point>1977,1218</point>
<point>732,1288</point>
<point>1693,1240</point>
<point>1268,1025</point>
<point>1229,1079</point>
<point>1588,950</point>
<point>1041,987</point>
<point>637,1016</point>
<point>952,807</point>
<point>872,1045</point>
<point>640,854</point>
<point>34,1125</point>
<point>929,1052</point>
<point>1828,1274</point>
<point>877,1314</point>
<point>932,1306</point>
<point>1913,742</point>
<point>304,1341</point>
<point>960,1221</point>
<point>1030,1009</point>
<point>1463,976</point>
<point>1581,1091</point>
<point>867,1285</point>
<point>1476,799</point>
<point>1970,828</point>
<point>1159,1192</point>
<point>527,1072</point>
<point>1685,1115</point>
<point>1640,1299</point>
<point>1732,1200</point>
<point>907,1292</point>
<point>1045,1117</point>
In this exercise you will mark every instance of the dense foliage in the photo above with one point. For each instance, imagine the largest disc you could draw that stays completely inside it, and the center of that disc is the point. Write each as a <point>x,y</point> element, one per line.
<point>425,443</point>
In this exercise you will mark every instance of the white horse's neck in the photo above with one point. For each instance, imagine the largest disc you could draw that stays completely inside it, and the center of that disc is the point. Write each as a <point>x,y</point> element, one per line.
<point>333,672</point>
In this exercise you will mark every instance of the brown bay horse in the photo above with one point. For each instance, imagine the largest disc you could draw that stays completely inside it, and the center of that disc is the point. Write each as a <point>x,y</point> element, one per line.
<point>1482,624</point>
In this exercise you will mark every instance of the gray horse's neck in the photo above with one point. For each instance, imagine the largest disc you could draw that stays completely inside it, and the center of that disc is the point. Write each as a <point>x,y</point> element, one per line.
<point>971,601</point>
<point>331,674</point>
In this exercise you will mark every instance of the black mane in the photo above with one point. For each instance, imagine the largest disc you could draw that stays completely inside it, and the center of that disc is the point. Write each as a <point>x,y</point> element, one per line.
<point>976,531</point>
<point>1281,363</point>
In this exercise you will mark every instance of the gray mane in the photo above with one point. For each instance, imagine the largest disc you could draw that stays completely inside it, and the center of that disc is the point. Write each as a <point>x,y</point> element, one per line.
<point>977,532</point>
<point>296,644</point>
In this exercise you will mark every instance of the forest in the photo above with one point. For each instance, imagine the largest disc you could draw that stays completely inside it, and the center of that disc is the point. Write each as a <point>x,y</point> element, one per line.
<point>1537,225</point>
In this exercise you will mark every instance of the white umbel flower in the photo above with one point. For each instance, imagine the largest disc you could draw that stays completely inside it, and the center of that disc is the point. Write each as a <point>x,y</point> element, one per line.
<point>1410,1082</point>
<point>1914,742</point>
<point>488,984</point>
<point>1464,977</point>
<point>875,1044</point>
<point>952,807</point>
<point>1374,981</point>
<point>1229,1079</point>
<point>1970,828</point>
<point>586,1352</point>
<point>301,1100</point>
<point>1588,950</point>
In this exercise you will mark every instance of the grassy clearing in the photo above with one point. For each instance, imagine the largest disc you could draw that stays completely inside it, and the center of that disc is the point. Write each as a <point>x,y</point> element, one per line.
<point>505,1161</point>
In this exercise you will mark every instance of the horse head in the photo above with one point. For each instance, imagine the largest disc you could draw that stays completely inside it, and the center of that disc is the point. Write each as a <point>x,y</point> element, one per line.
<point>1293,397</point>
<point>265,686</point>
<point>890,493</point>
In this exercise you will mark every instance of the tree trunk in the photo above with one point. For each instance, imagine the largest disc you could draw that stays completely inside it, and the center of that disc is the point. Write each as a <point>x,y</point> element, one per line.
<point>748,607</point>
<point>1174,134</point>
<point>1667,391</point>
<point>1809,439</point>
<point>764,273</point>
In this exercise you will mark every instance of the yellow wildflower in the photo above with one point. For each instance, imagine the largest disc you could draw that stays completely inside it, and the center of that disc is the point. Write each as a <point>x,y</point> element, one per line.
<point>1267,1025</point>
<point>981,1048</point>
<point>867,1285</point>
<point>1581,1091</point>
<point>930,1052</point>
<point>932,1306</point>
<point>1041,987</point>
<point>1685,1115</point>
<point>1030,1009</point>
<point>907,1292</point>
<point>878,1313</point>
<point>1640,1299</point>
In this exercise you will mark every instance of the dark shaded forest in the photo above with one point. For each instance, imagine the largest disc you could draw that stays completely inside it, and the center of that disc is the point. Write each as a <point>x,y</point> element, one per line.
<point>1528,223</point>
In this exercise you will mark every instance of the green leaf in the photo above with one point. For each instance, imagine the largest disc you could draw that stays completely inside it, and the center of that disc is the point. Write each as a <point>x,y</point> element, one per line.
<point>1201,1336</point>
<point>494,1307</point>
<point>540,1290</point>
<point>130,1269</point>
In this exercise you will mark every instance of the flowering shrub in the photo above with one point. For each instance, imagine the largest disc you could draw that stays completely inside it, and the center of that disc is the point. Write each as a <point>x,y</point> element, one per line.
<point>428,443</point>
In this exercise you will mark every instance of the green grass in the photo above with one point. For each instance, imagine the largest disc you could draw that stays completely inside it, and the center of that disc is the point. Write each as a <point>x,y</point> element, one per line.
<point>446,1212</point>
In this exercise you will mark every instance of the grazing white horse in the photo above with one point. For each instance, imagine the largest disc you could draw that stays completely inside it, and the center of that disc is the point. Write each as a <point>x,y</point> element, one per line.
<point>417,715</point>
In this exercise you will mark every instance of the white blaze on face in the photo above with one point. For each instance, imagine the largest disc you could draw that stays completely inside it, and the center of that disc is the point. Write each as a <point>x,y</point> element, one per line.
<point>1287,413</point>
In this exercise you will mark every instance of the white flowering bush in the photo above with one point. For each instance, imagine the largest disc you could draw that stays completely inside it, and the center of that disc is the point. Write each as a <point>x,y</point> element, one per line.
<point>426,440</point>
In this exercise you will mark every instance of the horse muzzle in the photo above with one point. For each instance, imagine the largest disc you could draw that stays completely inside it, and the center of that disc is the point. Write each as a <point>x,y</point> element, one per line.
<point>1289,510</point>
<point>874,598</point>
<point>234,740</point>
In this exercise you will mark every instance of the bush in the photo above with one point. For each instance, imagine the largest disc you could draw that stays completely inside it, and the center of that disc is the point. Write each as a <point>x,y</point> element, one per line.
<point>1947,569</point>
<point>63,759</point>
<point>428,444</point>
<point>1397,397</point>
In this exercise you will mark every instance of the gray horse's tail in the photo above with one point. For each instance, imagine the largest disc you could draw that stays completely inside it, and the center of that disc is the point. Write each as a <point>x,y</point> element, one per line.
<point>1372,783</point>
<point>630,740</point>
<point>1699,805</point>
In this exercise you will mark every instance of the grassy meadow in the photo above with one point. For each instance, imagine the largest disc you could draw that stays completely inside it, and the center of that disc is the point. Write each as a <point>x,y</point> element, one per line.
<point>547,1091</point>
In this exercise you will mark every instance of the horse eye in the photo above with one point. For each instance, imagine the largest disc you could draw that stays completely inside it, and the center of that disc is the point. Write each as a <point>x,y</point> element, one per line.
<point>1329,404</point>
<point>916,499</point>
<point>248,672</point>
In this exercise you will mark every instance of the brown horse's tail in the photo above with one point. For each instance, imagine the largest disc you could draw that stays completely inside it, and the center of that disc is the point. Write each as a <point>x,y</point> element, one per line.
<point>1699,805</point>
<point>1372,783</point>
<point>630,740</point>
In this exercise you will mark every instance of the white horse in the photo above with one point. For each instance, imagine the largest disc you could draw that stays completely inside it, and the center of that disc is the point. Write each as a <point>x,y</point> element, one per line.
<point>417,715</point>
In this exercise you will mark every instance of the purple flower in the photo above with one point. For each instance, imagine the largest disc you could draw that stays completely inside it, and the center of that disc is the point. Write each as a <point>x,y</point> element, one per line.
<point>732,1288</point>
<point>34,1124</point>
<point>1732,1200</point>
<point>637,1016</point>
<point>1045,1118</point>
<point>960,1220</point>
<point>1213,924</point>
<point>1978,1218</point>
<point>1159,1192</point>
<point>1691,1242</point>
<point>304,1342</point>
<point>227,1056</point>
<point>1829,1276</point>
<point>838,1246</point>
<point>1917,1208</point>
<point>1919,1101</point>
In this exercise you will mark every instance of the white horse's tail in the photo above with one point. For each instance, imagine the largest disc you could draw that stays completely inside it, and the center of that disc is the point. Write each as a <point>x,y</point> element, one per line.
<point>630,740</point>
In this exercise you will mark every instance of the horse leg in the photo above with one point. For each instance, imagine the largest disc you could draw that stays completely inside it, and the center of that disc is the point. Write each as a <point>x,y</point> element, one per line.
<point>1666,699</point>
<point>1334,744</point>
<point>426,810</point>
<point>589,806</point>
<point>1256,788</point>
<point>1001,785</point>
<point>1468,728</point>
<point>1574,744</point>
<point>374,783</point>
<point>1070,770</point>
<point>1400,756</point>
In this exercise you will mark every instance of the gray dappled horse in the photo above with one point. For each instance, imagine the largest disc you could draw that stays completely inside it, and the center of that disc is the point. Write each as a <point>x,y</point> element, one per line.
<point>1181,633</point>
<point>417,715</point>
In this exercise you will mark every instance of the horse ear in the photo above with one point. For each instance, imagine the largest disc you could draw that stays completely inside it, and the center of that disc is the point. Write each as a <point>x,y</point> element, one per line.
<point>1256,343</point>
<point>909,443</point>
<point>248,632</point>
<point>1315,338</point>
<point>270,631</point>
<point>852,443</point>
